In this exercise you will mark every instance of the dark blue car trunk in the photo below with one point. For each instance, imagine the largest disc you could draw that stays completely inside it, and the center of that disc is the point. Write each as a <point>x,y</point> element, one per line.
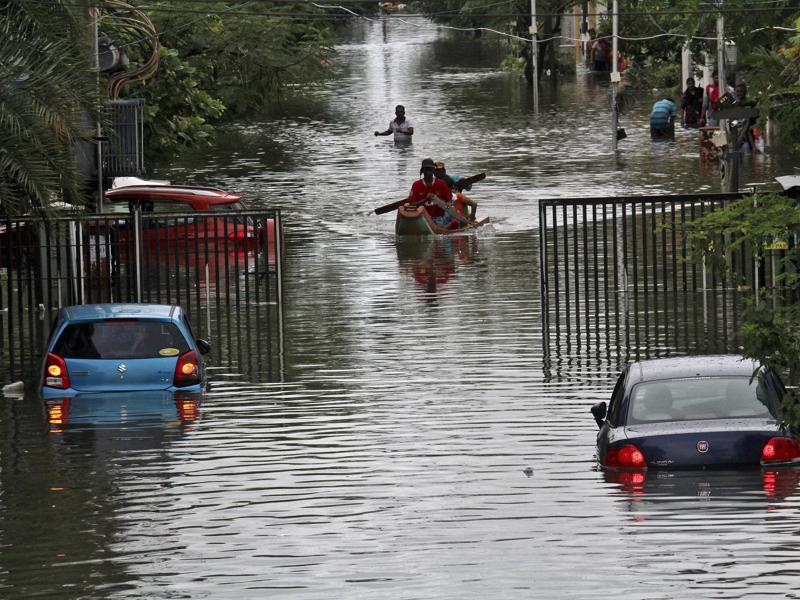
<point>703,443</point>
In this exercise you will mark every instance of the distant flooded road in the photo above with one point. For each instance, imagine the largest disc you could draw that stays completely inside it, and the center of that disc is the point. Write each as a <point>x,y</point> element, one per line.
<point>422,437</point>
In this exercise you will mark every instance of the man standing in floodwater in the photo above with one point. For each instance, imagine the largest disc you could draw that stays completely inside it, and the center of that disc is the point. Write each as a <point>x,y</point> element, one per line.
<point>691,104</point>
<point>662,119</point>
<point>400,126</point>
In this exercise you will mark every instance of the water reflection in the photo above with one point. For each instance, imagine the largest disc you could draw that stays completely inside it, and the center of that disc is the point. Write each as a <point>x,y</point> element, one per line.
<point>674,487</point>
<point>432,261</point>
<point>128,410</point>
<point>64,470</point>
<point>390,460</point>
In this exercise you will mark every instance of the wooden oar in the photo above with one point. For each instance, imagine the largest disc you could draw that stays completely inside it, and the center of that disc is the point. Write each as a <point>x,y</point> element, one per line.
<point>461,183</point>
<point>390,207</point>
<point>465,182</point>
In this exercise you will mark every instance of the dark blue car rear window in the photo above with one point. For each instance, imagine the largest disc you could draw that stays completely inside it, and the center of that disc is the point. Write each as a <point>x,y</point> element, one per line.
<point>120,339</point>
<point>701,398</point>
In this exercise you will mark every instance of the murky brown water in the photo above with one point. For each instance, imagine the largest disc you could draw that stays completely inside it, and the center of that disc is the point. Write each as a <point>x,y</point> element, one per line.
<point>422,437</point>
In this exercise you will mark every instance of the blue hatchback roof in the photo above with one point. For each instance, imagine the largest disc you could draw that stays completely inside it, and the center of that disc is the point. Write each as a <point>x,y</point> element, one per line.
<point>89,312</point>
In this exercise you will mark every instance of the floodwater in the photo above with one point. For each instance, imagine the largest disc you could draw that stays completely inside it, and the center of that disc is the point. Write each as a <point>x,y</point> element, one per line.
<point>423,437</point>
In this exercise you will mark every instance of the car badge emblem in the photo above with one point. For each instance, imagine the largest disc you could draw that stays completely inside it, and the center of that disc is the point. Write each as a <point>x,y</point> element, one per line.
<point>122,368</point>
<point>702,446</point>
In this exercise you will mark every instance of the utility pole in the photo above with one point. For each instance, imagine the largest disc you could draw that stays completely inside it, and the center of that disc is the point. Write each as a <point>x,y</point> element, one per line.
<point>615,76</point>
<point>534,57</point>
<point>686,65</point>
<point>721,49</point>
<point>731,155</point>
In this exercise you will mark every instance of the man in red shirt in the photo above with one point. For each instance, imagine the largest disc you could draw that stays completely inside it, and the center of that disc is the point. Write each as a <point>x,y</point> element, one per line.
<point>711,100</point>
<point>436,195</point>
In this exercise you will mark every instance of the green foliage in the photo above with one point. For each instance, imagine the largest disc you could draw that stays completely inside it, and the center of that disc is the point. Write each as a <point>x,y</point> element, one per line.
<point>498,16</point>
<point>230,61</point>
<point>771,327</point>
<point>768,56</point>
<point>756,220</point>
<point>774,72</point>
<point>177,112</point>
<point>648,73</point>
<point>46,97</point>
<point>654,33</point>
<point>771,335</point>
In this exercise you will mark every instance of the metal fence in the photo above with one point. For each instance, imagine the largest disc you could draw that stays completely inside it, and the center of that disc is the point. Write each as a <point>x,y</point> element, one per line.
<point>617,255</point>
<point>228,265</point>
<point>123,153</point>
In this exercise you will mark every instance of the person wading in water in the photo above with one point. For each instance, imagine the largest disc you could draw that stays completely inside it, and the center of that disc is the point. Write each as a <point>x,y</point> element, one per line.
<point>400,126</point>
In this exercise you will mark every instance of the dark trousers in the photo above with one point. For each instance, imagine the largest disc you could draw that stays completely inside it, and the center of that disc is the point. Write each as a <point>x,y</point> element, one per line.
<point>662,132</point>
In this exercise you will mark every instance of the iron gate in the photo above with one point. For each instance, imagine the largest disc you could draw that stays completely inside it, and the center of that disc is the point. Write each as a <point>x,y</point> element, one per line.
<point>227,264</point>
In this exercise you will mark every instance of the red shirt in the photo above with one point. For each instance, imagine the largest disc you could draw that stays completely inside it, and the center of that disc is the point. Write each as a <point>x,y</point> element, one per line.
<point>712,91</point>
<point>420,191</point>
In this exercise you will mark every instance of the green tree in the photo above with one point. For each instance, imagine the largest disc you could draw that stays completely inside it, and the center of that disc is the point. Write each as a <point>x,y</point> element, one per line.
<point>47,96</point>
<point>654,32</point>
<point>774,70</point>
<point>513,17</point>
<point>770,332</point>
<point>239,61</point>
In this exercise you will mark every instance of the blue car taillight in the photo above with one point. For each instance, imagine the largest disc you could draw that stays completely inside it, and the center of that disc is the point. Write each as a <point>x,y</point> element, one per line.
<point>187,371</point>
<point>780,449</point>
<point>55,372</point>
<point>625,457</point>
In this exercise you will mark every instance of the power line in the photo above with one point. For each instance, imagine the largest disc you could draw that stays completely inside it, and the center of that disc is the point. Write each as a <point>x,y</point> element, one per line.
<point>711,11</point>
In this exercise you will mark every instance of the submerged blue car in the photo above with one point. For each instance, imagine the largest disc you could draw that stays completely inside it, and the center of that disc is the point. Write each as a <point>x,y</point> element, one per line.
<point>694,412</point>
<point>122,348</point>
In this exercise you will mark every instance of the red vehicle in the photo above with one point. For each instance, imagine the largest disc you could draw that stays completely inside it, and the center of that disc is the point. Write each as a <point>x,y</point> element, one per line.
<point>162,199</point>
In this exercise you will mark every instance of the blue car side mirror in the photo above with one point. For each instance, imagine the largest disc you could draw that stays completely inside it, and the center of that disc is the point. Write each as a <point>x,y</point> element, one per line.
<point>599,411</point>
<point>203,346</point>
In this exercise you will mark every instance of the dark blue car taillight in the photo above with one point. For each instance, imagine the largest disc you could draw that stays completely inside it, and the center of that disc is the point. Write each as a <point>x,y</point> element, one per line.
<point>625,457</point>
<point>780,449</point>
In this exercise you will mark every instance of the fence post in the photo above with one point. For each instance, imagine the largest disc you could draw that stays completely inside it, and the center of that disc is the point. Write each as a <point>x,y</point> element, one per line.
<point>705,291</point>
<point>756,270</point>
<point>278,229</point>
<point>81,267</point>
<point>621,266</point>
<point>137,245</point>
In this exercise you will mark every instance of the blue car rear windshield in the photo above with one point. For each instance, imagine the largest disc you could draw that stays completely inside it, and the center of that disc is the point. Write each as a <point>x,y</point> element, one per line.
<point>115,339</point>
<point>701,398</point>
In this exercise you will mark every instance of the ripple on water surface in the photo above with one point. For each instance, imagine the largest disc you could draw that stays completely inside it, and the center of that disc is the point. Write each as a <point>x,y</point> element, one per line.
<point>422,436</point>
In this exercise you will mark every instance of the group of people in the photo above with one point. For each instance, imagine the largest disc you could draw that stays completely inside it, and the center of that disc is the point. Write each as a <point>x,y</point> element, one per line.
<point>697,106</point>
<point>444,202</point>
<point>437,191</point>
<point>599,55</point>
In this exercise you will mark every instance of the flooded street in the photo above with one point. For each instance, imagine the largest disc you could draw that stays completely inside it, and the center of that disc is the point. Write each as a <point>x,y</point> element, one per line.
<point>422,437</point>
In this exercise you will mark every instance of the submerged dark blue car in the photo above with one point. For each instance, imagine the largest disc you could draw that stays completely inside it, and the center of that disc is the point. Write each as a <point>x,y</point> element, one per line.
<point>694,412</point>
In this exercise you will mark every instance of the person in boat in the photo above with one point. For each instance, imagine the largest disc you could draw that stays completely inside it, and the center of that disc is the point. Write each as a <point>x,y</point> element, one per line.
<point>662,119</point>
<point>460,200</point>
<point>400,126</point>
<point>436,195</point>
